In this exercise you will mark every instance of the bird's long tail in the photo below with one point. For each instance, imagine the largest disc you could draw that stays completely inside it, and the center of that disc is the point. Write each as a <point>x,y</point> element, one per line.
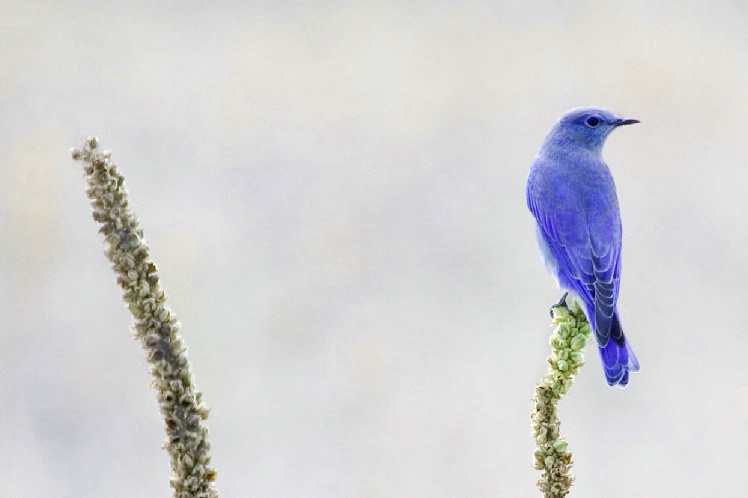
<point>617,355</point>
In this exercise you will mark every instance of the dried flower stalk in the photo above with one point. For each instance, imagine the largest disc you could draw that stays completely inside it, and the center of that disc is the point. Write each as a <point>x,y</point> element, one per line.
<point>154,325</point>
<point>571,333</point>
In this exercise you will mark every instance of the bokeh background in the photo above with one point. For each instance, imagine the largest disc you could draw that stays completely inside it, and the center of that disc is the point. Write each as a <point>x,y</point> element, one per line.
<point>334,194</point>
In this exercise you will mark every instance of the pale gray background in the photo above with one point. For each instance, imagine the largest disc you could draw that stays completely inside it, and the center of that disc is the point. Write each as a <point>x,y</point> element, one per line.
<point>334,194</point>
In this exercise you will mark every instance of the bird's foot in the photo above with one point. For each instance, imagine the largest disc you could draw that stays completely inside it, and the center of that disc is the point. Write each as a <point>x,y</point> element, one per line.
<point>560,304</point>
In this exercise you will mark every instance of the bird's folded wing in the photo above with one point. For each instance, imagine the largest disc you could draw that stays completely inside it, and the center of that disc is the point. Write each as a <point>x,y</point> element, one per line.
<point>591,266</point>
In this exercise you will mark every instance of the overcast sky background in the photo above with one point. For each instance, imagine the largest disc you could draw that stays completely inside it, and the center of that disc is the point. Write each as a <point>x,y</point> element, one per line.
<point>335,197</point>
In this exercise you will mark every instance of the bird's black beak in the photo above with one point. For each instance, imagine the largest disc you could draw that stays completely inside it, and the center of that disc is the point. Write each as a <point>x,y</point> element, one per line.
<point>621,122</point>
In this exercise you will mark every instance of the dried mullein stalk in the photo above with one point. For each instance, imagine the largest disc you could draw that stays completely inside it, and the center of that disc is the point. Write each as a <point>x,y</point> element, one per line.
<point>552,455</point>
<point>155,326</point>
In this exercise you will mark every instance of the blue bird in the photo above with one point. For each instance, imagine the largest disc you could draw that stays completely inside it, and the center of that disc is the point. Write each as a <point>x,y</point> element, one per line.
<point>571,194</point>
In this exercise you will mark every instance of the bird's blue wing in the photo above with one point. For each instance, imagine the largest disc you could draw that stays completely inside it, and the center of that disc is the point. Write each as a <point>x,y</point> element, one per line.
<point>606,263</point>
<point>589,263</point>
<point>559,230</point>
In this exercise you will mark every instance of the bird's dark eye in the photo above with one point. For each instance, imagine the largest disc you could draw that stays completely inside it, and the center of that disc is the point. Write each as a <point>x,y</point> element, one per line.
<point>592,122</point>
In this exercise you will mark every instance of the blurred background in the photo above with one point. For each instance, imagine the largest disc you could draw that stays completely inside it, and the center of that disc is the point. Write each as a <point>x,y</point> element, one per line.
<point>335,197</point>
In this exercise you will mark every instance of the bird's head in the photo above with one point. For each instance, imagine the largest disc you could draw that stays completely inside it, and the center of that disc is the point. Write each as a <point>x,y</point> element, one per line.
<point>587,127</point>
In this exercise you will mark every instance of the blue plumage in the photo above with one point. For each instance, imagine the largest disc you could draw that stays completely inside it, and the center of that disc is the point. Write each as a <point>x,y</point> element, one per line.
<point>571,194</point>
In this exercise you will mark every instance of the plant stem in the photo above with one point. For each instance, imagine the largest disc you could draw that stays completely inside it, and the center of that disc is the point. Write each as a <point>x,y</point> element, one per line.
<point>570,335</point>
<point>154,325</point>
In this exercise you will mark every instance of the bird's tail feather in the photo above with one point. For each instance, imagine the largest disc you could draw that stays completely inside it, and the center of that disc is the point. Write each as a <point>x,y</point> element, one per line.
<point>618,357</point>
<point>618,361</point>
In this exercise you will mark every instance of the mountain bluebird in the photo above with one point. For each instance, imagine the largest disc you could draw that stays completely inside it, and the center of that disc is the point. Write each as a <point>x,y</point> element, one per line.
<point>571,194</point>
